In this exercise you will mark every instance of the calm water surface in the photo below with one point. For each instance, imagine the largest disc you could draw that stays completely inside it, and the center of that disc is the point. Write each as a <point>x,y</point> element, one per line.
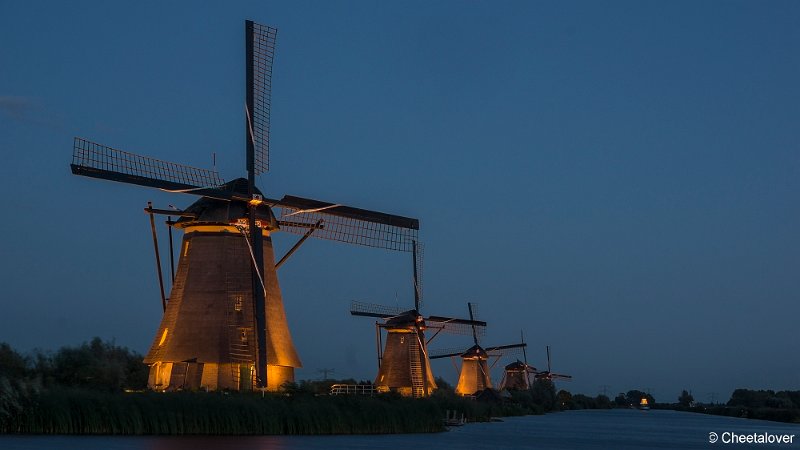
<point>615,429</point>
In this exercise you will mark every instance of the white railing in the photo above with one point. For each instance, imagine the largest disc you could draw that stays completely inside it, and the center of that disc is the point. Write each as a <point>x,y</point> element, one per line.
<point>353,389</point>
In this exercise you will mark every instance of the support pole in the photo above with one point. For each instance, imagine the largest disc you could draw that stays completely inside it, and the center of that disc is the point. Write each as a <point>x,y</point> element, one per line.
<point>298,244</point>
<point>256,239</point>
<point>525,357</point>
<point>158,257</point>
<point>416,281</point>
<point>378,343</point>
<point>424,358</point>
<point>171,249</point>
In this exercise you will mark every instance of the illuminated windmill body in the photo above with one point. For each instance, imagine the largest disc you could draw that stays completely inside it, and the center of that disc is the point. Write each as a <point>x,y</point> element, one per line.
<point>475,374</point>
<point>224,326</point>
<point>517,375</point>
<point>404,366</point>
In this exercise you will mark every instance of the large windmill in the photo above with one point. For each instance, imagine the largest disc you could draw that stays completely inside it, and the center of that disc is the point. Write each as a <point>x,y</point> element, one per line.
<point>403,365</point>
<point>475,371</point>
<point>224,325</point>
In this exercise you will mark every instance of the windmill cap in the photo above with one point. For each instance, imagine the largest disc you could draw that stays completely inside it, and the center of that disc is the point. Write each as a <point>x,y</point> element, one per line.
<point>476,351</point>
<point>517,365</point>
<point>212,210</point>
<point>409,317</point>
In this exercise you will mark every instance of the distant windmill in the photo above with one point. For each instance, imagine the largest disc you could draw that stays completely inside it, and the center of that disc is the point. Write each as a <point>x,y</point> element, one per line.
<point>517,375</point>
<point>404,365</point>
<point>548,375</point>
<point>475,371</point>
<point>224,325</point>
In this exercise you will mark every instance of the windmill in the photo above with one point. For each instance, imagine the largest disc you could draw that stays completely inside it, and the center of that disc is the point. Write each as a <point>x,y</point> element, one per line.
<point>517,375</point>
<point>224,326</point>
<point>475,373</point>
<point>548,374</point>
<point>403,365</point>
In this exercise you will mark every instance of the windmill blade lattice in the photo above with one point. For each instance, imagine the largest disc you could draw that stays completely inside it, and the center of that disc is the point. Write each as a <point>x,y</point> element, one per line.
<point>446,352</point>
<point>504,352</point>
<point>259,76</point>
<point>100,161</point>
<point>373,310</point>
<point>347,224</point>
<point>420,251</point>
<point>461,327</point>
<point>506,348</point>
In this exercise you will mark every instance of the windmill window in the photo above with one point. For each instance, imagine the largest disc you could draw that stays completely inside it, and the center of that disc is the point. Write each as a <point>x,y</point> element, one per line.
<point>238,300</point>
<point>163,337</point>
<point>243,336</point>
<point>402,339</point>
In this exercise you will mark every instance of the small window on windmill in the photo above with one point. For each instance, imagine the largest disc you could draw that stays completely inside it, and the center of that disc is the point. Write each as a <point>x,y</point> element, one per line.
<point>402,339</point>
<point>163,337</point>
<point>243,335</point>
<point>238,301</point>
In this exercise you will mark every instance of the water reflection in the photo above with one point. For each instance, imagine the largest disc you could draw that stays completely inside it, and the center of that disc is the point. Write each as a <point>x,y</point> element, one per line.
<point>218,443</point>
<point>617,429</point>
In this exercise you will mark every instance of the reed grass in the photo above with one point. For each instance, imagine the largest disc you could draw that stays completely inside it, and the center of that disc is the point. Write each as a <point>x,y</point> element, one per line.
<point>81,411</point>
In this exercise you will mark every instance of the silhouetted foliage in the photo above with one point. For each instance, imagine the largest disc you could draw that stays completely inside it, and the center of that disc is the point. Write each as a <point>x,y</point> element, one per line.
<point>765,399</point>
<point>95,364</point>
<point>781,406</point>
<point>685,399</point>
<point>580,401</point>
<point>633,397</point>
<point>544,394</point>
<point>603,402</point>
<point>442,384</point>
<point>12,364</point>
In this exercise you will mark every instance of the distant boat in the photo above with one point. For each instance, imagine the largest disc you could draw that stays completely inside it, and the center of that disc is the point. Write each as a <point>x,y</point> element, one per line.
<point>644,404</point>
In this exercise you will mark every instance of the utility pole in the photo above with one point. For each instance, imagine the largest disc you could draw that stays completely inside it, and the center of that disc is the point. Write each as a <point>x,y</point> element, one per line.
<point>325,373</point>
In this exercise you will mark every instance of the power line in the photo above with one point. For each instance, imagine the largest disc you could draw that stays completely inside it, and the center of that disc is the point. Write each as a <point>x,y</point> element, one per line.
<point>325,373</point>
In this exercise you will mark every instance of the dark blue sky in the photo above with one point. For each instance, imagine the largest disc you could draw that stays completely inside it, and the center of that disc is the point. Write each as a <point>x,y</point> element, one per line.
<point>619,179</point>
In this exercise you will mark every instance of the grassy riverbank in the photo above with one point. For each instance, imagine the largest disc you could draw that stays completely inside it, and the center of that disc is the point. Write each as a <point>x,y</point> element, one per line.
<point>82,411</point>
<point>78,411</point>
<point>87,390</point>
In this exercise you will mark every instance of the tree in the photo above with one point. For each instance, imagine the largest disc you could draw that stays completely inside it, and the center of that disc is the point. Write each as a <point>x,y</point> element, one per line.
<point>97,365</point>
<point>565,400</point>
<point>602,402</point>
<point>12,365</point>
<point>442,384</point>
<point>635,396</point>
<point>544,394</point>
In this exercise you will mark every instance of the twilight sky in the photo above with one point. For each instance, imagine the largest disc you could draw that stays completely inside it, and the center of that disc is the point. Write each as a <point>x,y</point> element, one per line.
<point>618,179</point>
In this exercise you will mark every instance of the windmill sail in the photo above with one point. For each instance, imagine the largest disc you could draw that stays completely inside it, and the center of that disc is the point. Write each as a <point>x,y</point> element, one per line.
<point>419,253</point>
<point>506,347</point>
<point>347,224</point>
<point>373,310</point>
<point>100,161</point>
<point>260,41</point>
<point>457,351</point>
